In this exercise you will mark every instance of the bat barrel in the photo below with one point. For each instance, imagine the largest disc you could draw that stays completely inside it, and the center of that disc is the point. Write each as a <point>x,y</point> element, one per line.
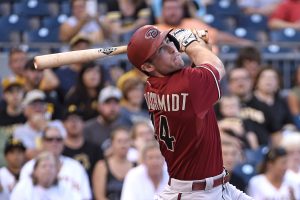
<point>71,57</point>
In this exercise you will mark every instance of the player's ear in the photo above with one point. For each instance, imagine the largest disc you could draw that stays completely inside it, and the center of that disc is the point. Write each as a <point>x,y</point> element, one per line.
<point>147,67</point>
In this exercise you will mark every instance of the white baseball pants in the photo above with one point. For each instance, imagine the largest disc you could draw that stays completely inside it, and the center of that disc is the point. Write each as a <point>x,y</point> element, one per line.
<point>182,190</point>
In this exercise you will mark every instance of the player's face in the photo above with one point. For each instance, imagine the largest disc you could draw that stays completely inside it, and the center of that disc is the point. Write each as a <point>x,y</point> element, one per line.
<point>166,59</point>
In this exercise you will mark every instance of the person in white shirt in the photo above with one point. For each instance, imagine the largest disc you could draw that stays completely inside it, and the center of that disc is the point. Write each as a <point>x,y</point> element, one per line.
<point>35,110</point>
<point>44,183</point>
<point>291,143</point>
<point>270,184</point>
<point>147,179</point>
<point>141,133</point>
<point>14,152</point>
<point>82,23</point>
<point>71,171</point>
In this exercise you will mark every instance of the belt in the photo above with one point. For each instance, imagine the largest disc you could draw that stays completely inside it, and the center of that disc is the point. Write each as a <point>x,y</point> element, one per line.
<point>202,185</point>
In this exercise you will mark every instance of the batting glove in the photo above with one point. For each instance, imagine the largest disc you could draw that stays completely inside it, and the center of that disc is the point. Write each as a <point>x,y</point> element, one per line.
<point>184,37</point>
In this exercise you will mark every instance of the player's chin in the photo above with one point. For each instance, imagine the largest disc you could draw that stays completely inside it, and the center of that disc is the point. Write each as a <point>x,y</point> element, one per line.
<point>178,61</point>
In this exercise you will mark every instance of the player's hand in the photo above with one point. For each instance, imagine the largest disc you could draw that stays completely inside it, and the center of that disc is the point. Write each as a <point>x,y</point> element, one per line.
<point>184,37</point>
<point>201,35</point>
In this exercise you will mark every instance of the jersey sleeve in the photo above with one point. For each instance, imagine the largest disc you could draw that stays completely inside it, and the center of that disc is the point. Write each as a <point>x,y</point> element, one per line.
<point>204,85</point>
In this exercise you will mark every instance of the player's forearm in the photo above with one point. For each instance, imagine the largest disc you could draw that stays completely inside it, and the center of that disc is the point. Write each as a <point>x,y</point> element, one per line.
<point>200,54</point>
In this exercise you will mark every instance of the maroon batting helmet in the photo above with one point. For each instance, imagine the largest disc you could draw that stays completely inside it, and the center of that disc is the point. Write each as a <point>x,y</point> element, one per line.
<point>143,44</point>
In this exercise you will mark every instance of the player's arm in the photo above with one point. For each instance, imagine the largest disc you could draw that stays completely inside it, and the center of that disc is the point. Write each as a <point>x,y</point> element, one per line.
<point>200,54</point>
<point>197,49</point>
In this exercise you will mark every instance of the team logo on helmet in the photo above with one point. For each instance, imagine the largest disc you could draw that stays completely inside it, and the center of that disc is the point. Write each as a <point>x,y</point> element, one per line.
<point>152,33</point>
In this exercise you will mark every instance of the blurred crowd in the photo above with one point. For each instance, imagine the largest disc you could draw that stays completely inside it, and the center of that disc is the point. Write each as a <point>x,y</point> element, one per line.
<point>82,131</point>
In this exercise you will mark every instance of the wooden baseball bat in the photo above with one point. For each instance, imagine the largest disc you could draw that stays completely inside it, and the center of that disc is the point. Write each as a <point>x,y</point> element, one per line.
<point>80,56</point>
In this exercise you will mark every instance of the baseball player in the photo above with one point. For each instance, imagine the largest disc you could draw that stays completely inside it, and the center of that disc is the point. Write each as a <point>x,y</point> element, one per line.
<point>180,102</point>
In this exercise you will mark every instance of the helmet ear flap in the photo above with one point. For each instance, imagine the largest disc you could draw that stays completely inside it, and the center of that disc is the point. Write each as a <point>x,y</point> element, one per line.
<point>174,40</point>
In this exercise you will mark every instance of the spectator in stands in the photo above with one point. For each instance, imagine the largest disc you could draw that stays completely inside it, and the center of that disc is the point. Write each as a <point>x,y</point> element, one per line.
<point>35,110</point>
<point>133,73</point>
<point>36,79</point>
<point>46,81</point>
<point>16,61</point>
<point>267,99</point>
<point>147,179</point>
<point>14,152</point>
<point>85,92</point>
<point>172,17</point>
<point>232,122</point>
<point>286,15</point>
<point>11,112</point>
<point>75,146</point>
<point>115,71</point>
<point>98,129</point>
<point>82,23</point>
<point>44,182</point>
<point>232,156</point>
<point>269,184</point>
<point>70,172</point>
<point>68,75</point>
<point>291,143</point>
<point>250,58</point>
<point>109,174</point>
<point>192,8</point>
<point>293,98</point>
<point>125,16</point>
<point>132,102</point>
<point>240,84</point>
<point>142,132</point>
<point>263,7</point>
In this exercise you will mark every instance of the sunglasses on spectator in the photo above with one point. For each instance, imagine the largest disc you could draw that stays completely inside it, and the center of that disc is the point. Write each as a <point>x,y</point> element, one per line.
<point>52,139</point>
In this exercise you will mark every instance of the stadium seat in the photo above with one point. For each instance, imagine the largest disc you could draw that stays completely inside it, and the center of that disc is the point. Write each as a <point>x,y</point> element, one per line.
<point>54,22</point>
<point>14,23</point>
<point>224,7</point>
<point>274,49</point>
<point>254,21</point>
<point>65,8</point>
<point>4,35</point>
<point>285,35</point>
<point>218,23</point>
<point>31,8</point>
<point>226,49</point>
<point>242,32</point>
<point>43,35</point>
<point>246,171</point>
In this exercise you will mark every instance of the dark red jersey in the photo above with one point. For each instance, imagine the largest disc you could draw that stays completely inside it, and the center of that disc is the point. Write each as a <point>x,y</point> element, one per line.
<point>181,108</point>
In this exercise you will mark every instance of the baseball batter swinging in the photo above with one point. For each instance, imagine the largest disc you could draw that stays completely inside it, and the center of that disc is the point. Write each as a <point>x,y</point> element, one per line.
<point>180,102</point>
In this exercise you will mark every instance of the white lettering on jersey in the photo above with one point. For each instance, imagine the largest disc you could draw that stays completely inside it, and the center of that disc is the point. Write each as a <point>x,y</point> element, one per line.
<point>169,102</point>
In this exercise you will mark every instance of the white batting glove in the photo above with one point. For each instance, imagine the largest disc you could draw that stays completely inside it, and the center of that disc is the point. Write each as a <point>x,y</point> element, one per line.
<point>184,37</point>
